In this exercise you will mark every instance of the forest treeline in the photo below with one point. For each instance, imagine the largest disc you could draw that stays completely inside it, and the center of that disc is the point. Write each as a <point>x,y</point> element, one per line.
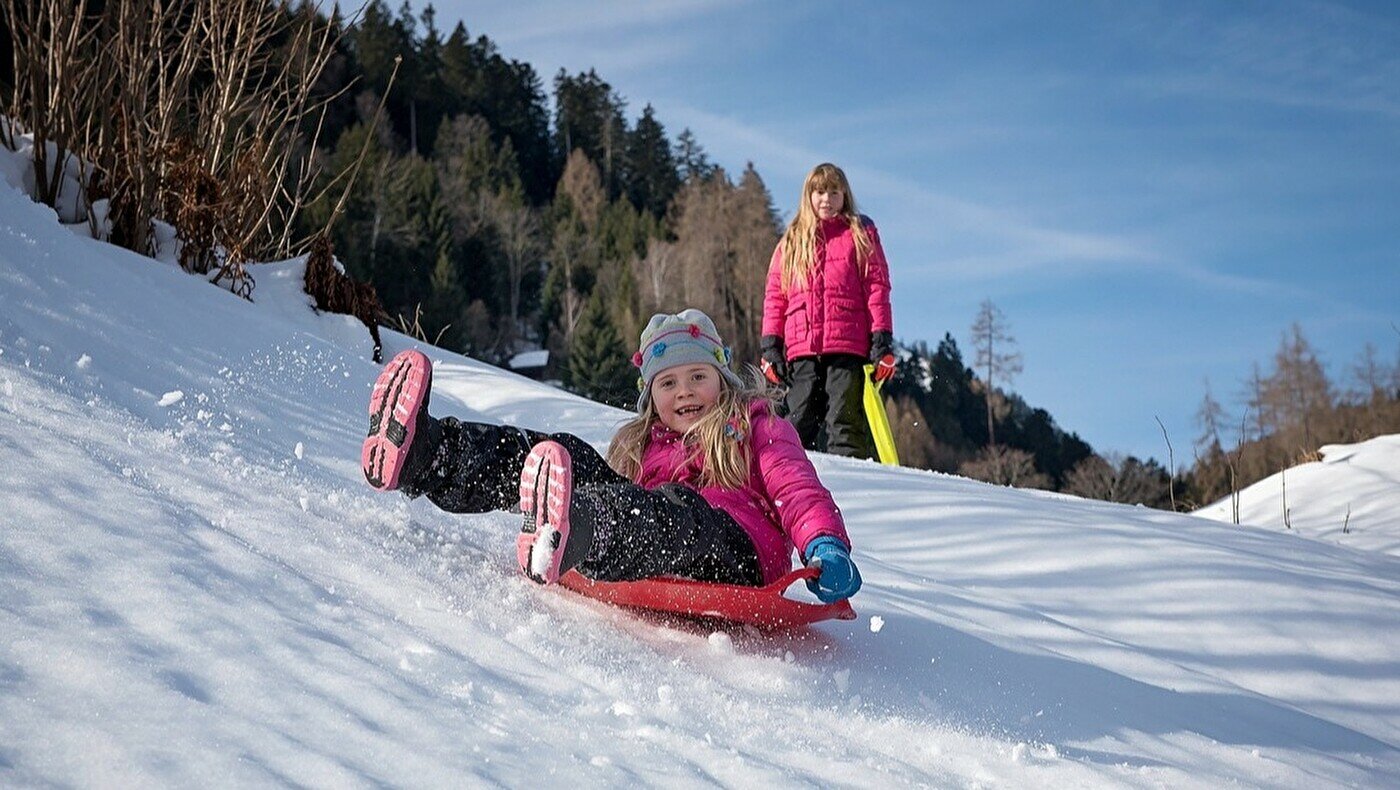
<point>490,224</point>
<point>494,213</point>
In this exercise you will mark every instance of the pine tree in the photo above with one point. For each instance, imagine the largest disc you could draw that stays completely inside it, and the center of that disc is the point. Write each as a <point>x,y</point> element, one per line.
<point>430,101</point>
<point>589,117</point>
<point>652,179</point>
<point>442,313</point>
<point>690,157</point>
<point>471,165</point>
<point>510,96</point>
<point>599,364</point>
<point>375,41</point>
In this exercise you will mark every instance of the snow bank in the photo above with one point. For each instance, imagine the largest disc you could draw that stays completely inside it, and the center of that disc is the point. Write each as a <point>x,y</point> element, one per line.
<point>1349,498</point>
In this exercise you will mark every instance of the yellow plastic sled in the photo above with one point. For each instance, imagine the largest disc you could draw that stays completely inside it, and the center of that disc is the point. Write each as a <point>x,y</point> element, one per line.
<point>879,422</point>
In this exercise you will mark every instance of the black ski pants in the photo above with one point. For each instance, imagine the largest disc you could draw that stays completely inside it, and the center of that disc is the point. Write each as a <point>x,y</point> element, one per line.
<point>828,392</point>
<point>638,533</point>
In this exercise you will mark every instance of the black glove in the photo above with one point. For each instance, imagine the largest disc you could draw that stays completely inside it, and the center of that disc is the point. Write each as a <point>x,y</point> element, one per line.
<point>881,345</point>
<point>882,354</point>
<point>774,364</point>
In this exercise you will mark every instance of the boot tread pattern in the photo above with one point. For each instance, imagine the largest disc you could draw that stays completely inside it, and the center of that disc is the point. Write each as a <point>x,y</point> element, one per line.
<point>398,395</point>
<point>545,485</point>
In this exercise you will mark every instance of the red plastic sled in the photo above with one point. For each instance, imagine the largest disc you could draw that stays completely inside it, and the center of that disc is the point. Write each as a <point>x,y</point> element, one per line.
<point>764,607</point>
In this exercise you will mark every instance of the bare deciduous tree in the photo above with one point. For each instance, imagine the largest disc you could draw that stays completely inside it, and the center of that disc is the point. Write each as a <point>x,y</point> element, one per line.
<point>993,343</point>
<point>518,226</point>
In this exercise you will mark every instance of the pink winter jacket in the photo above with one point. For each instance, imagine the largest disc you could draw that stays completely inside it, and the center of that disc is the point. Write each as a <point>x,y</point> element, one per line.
<point>782,506</point>
<point>838,309</point>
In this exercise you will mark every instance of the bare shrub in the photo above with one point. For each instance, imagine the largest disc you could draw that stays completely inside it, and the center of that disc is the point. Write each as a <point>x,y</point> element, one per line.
<point>1006,466</point>
<point>193,110</point>
<point>1118,479</point>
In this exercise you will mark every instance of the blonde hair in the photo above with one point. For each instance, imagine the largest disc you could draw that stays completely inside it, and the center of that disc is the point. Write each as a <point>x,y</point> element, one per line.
<point>799,242</point>
<point>724,456</point>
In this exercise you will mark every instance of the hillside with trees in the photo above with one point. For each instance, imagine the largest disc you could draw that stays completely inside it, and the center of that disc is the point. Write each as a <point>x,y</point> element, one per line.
<point>491,220</point>
<point>482,208</point>
<point>1287,412</point>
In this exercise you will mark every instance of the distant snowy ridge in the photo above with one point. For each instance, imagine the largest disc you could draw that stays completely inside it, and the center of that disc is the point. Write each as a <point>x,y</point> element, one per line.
<point>1351,497</point>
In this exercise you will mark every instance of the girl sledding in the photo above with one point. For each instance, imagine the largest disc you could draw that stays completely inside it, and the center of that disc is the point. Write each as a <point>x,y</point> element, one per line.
<point>705,484</point>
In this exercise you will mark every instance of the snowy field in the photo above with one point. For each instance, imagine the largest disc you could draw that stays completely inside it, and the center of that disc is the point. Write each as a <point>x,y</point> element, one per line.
<point>197,589</point>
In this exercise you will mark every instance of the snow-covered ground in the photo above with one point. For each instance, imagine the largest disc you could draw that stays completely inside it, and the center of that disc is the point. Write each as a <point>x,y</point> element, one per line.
<point>1350,498</point>
<point>197,588</point>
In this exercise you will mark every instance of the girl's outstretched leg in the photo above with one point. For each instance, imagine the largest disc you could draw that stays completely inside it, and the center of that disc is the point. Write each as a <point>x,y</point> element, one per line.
<point>619,531</point>
<point>555,536</point>
<point>463,467</point>
<point>666,531</point>
<point>401,434</point>
<point>475,467</point>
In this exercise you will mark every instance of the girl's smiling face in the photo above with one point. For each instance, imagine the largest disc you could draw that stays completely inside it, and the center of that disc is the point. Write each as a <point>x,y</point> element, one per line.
<point>684,394</point>
<point>827,203</point>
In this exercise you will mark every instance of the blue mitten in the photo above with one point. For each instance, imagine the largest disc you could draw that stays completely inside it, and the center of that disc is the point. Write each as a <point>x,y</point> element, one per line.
<point>840,578</point>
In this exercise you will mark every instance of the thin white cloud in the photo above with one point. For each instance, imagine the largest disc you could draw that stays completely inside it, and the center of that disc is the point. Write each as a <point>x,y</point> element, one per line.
<point>1013,243</point>
<point>1314,55</point>
<point>615,38</point>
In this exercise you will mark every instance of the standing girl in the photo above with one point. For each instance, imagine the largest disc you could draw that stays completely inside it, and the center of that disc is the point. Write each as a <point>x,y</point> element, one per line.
<point>826,313</point>
<point>705,483</point>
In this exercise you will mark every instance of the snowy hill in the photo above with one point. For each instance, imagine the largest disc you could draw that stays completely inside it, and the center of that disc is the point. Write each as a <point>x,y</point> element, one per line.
<point>197,588</point>
<point>1350,498</point>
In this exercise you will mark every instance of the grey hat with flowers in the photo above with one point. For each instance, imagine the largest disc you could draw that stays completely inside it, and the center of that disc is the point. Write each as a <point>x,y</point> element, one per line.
<point>686,338</point>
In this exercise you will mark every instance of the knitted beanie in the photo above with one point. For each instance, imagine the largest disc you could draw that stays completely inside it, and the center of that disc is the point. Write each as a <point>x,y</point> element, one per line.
<point>686,338</point>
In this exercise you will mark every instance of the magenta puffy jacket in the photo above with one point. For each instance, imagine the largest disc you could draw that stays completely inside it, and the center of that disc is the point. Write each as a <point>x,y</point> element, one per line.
<point>838,309</point>
<point>783,505</point>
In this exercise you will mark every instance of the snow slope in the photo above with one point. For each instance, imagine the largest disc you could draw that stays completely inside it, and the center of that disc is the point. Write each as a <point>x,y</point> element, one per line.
<point>196,588</point>
<point>1350,498</point>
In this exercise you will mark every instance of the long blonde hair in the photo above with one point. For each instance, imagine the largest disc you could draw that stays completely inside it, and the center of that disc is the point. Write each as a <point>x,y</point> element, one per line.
<point>799,242</point>
<point>720,439</point>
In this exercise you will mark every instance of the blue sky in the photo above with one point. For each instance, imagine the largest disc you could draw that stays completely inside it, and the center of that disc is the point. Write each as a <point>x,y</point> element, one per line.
<point>1151,192</point>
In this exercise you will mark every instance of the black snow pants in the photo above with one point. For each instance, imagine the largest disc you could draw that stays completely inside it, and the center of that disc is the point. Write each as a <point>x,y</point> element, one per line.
<point>828,392</point>
<point>638,533</point>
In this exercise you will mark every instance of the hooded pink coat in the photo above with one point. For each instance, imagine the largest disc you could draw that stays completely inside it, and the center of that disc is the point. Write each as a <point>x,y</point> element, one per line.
<point>782,506</point>
<point>838,308</point>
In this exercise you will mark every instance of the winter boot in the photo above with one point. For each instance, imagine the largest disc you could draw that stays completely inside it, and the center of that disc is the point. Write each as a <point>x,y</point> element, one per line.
<point>402,436</point>
<point>557,532</point>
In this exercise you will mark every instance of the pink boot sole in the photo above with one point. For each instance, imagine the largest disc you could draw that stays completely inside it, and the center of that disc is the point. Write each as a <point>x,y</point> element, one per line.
<point>546,485</point>
<point>399,394</point>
